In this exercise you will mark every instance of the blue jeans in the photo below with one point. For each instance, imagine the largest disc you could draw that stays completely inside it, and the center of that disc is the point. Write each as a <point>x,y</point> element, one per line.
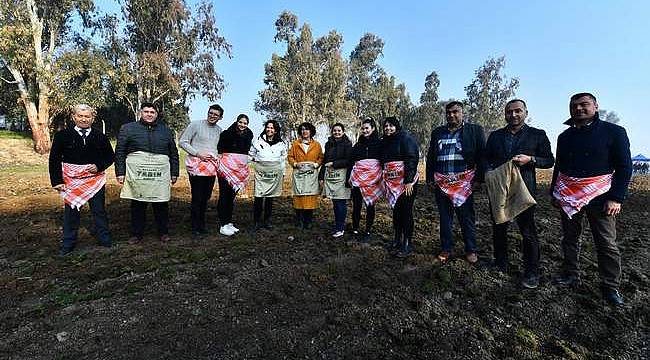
<point>340,212</point>
<point>466,217</point>
<point>71,219</point>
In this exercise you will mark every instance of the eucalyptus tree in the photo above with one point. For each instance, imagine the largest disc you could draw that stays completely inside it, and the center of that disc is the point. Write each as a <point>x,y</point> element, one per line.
<point>307,82</point>
<point>164,52</point>
<point>34,35</point>
<point>488,94</point>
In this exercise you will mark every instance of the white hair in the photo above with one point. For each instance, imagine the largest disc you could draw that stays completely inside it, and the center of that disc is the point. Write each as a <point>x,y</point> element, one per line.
<point>84,107</point>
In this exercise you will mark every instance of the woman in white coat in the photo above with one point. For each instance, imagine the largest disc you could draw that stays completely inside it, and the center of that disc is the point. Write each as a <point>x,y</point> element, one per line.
<point>269,154</point>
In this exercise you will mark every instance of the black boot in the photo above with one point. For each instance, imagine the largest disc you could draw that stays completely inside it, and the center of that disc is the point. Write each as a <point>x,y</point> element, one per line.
<point>406,249</point>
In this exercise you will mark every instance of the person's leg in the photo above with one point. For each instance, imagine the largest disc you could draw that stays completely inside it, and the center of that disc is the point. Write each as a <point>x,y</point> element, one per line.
<point>529,242</point>
<point>195,203</point>
<point>138,218</point>
<point>207,186</point>
<point>340,212</point>
<point>71,218</point>
<point>258,204</point>
<point>398,222</point>
<point>357,203</point>
<point>407,222</point>
<point>446,212</point>
<point>161,214</point>
<point>298,218</point>
<point>370,217</point>
<point>99,216</point>
<point>467,218</point>
<point>571,231</point>
<point>307,217</point>
<point>225,204</point>
<point>268,211</point>
<point>603,229</point>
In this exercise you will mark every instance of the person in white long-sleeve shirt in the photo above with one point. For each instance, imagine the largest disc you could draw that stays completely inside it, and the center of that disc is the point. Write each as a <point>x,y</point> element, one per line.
<point>269,153</point>
<point>200,140</point>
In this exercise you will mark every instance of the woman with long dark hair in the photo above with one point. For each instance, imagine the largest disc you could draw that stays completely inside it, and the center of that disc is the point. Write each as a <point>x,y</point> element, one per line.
<point>234,144</point>
<point>366,176</point>
<point>333,175</point>
<point>400,156</point>
<point>305,157</point>
<point>269,154</point>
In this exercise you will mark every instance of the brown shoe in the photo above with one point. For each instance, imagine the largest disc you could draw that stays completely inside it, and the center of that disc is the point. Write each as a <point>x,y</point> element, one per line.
<point>443,257</point>
<point>165,238</point>
<point>471,258</point>
<point>135,240</point>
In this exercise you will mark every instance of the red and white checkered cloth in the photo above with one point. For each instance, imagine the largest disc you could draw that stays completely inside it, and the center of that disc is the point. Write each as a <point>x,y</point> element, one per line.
<point>394,180</point>
<point>574,193</point>
<point>457,186</point>
<point>80,184</point>
<point>234,168</point>
<point>367,175</point>
<point>197,167</point>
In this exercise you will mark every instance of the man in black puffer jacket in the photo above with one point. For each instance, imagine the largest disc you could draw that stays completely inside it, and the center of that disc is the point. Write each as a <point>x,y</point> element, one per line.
<point>151,138</point>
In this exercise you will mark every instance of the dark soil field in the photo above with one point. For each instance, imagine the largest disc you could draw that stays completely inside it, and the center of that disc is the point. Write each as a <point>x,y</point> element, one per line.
<point>289,294</point>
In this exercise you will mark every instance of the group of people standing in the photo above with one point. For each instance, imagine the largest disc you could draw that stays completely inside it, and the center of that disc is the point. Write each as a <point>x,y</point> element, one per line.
<point>590,178</point>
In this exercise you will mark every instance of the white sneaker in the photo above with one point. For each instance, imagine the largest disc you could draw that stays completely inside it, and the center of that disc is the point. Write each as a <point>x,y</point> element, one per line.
<point>232,227</point>
<point>338,234</point>
<point>225,230</point>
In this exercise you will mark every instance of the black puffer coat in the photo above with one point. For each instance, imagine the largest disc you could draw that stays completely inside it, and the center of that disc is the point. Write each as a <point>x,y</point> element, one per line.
<point>232,141</point>
<point>401,146</point>
<point>338,152</point>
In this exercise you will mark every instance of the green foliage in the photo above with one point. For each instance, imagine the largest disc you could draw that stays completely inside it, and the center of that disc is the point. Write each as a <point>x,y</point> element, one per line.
<point>429,114</point>
<point>371,90</point>
<point>307,83</point>
<point>488,93</point>
<point>164,52</point>
<point>527,340</point>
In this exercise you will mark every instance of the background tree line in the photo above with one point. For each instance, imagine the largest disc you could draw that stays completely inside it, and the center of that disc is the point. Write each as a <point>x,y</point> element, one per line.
<point>56,53</point>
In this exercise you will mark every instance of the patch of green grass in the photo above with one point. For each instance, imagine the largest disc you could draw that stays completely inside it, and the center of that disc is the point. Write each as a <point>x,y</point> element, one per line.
<point>63,298</point>
<point>442,277</point>
<point>7,134</point>
<point>527,339</point>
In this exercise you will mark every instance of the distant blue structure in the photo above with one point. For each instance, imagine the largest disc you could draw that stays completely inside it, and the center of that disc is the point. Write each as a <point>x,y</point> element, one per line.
<point>640,164</point>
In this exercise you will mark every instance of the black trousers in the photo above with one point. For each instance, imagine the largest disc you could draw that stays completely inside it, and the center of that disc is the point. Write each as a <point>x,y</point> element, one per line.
<point>139,217</point>
<point>72,218</point>
<point>603,230</point>
<point>201,192</point>
<point>529,243</point>
<point>226,203</point>
<point>262,205</point>
<point>403,216</point>
<point>357,204</point>
<point>305,216</point>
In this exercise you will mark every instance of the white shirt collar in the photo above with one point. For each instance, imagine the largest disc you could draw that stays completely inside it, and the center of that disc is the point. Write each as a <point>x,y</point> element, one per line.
<point>78,130</point>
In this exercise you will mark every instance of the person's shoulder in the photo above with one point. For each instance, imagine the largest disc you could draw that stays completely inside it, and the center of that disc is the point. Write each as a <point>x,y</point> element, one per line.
<point>612,127</point>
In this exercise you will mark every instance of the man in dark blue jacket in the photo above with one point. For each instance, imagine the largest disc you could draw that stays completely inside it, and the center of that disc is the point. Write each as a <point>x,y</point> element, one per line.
<point>455,156</point>
<point>529,148</point>
<point>594,162</point>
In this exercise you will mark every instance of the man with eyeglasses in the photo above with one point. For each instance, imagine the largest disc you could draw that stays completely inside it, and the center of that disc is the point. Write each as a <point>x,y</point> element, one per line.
<point>200,140</point>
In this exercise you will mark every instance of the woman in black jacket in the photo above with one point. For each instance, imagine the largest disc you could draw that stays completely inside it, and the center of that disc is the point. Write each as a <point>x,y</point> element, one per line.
<point>333,175</point>
<point>365,176</point>
<point>400,156</point>
<point>234,144</point>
